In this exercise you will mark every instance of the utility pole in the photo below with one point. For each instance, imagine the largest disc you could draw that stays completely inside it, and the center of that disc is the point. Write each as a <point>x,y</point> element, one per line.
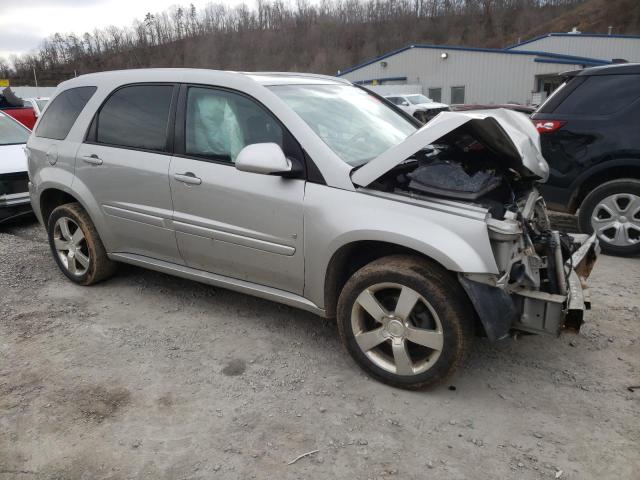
<point>35,78</point>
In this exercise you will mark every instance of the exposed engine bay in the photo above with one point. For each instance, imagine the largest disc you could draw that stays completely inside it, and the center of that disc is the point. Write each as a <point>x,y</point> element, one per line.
<point>541,285</point>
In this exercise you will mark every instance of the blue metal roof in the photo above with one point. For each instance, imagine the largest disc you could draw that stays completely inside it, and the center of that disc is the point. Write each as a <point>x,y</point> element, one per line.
<point>570,59</point>
<point>383,79</point>
<point>577,35</point>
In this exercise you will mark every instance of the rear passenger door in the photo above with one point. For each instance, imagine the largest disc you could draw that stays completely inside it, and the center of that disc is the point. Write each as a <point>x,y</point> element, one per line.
<point>242,225</point>
<point>124,163</point>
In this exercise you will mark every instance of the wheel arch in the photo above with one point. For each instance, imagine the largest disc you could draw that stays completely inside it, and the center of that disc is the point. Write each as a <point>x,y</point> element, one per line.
<point>50,199</point>
<point>594,177</point>
<point>53,195</point>
<point>354,255</point>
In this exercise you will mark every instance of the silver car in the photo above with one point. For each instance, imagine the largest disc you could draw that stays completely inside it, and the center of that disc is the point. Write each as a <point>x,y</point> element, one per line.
<point>313,192</point>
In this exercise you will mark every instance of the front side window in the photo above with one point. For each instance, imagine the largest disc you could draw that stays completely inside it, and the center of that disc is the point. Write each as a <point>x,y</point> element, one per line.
<point>63,112</point>
<point>11,133</point>
<point>220,123</point>
<point>136,117</point>
<point>354,124</point>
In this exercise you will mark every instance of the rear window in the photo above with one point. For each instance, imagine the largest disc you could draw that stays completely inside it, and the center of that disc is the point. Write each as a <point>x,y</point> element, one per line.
<point>594,95</point>
<point>63,112</point>
<point>135,117</point>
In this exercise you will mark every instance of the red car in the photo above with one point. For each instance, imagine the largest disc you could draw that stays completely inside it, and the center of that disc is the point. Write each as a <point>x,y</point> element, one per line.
<point>14,107</point>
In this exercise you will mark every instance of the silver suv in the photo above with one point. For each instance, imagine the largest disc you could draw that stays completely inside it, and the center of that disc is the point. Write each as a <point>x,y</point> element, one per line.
<point>313,192</point>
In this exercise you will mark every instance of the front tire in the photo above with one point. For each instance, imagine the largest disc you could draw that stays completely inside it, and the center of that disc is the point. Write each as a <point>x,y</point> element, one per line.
<point>612,211</point>
<point>76,245</point>
<point>406,321</point>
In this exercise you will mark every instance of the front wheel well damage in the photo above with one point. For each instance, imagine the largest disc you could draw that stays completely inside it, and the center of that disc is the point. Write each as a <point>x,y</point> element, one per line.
<point>52,198</point>
<point>351,257</point>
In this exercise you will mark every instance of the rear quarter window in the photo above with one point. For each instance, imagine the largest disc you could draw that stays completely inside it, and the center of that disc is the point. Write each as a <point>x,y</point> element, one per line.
<point>63,112</point>
<point>598,95</point>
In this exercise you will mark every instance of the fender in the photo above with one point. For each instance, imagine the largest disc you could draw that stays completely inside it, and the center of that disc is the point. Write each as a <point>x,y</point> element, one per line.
<point>454,235</point>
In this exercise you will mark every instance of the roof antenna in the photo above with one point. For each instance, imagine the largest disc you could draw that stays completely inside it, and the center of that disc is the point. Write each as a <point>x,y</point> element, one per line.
<point>575,31</point>
<point>610,30</point>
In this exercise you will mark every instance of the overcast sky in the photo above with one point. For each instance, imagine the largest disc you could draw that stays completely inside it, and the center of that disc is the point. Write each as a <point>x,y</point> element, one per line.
<point>25,23</point>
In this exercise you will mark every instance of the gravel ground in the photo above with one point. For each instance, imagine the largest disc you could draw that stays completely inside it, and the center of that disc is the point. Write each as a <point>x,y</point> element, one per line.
<point>150,376</point>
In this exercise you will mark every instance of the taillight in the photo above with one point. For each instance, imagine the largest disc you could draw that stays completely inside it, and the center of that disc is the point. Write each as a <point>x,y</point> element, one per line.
<point>548,126</point>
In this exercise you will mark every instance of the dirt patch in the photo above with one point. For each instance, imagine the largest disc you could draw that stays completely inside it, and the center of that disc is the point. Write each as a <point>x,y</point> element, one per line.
<point>95,403</point>
<point>235,367</point>
<point>19,391</point>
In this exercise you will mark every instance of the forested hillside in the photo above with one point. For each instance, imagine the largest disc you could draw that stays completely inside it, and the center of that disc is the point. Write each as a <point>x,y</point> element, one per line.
<point>317,37</point>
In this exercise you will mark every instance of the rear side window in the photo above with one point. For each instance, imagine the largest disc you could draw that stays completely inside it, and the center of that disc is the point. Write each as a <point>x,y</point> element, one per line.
<point>600,95</point>
<point>135,117</point>
<point>63,112</point>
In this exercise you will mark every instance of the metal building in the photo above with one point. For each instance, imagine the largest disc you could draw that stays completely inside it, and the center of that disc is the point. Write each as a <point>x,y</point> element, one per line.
<point>525,73</point>
<point>585,45</point>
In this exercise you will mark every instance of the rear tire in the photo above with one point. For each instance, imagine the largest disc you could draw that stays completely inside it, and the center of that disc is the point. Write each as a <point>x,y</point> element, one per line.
<point>406,321</point>
<point>612,210</point>
<point>76,245</point>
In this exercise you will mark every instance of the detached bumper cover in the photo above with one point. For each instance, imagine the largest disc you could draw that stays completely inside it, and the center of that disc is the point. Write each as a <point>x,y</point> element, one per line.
<point>535,311</point>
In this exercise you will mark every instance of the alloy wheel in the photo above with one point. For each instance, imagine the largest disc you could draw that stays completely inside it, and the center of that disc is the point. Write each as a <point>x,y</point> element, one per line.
<point>397,329</point>
<point>71,246</point>
<point>616,219</point>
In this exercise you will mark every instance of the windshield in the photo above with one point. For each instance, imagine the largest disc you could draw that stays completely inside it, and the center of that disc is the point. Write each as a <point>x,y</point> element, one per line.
<point>12,133</point>
<point>42,103</point>
<point>354,124</point>
<point>416,99</point>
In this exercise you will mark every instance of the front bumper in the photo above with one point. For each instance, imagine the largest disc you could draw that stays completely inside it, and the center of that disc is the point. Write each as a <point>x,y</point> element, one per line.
<point>502,308</point>
<point>13,205</point>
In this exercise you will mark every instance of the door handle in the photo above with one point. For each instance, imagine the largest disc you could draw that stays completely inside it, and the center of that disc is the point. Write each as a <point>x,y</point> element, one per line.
<point>93,159</point>
<point>188,178</point>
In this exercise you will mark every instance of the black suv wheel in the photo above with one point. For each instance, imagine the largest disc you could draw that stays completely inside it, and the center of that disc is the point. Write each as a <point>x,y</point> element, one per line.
<point>612,210</point>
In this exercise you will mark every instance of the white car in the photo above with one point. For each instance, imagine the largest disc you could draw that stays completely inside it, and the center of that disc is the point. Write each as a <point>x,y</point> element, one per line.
<point>14,190</point>
<point>37,104</point>
<point>418,106</point>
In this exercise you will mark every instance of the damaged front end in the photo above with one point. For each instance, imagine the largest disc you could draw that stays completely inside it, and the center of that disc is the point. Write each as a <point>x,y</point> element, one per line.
<point>492,160</point>
<point>541,286</point>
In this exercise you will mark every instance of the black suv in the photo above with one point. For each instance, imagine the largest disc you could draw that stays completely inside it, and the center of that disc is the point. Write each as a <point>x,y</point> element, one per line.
<point>590,134</point>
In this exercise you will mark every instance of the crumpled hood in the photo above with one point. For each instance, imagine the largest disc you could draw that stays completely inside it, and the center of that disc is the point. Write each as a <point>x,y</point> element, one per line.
<point>510,135</point>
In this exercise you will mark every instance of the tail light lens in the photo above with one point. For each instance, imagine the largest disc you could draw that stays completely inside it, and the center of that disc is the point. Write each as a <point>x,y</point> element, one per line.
<point>548,126</point>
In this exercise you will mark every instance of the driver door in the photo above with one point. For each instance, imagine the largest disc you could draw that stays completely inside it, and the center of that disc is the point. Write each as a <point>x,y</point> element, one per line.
<point>242,225</point>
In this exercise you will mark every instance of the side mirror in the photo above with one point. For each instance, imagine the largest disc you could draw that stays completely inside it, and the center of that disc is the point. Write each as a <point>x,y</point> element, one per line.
<point>405,104</point>
<point>265,158</point>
